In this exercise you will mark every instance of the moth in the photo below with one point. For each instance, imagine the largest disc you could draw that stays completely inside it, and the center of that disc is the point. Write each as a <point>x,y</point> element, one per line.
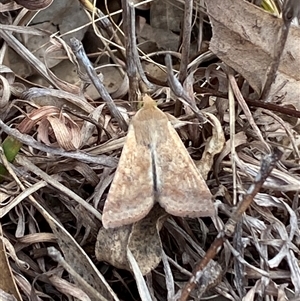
<point>154,167</point>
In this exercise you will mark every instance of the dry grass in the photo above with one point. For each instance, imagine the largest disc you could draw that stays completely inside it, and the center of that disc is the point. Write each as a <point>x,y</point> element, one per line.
<point>64,142</point>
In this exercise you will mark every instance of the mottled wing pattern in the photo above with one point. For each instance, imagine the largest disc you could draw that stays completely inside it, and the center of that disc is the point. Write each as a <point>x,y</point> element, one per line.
<point>181,188</point>
<point>130,197</point>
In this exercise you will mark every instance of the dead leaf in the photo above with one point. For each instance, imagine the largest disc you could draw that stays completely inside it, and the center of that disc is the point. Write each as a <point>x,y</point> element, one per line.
<point>58,98</point>
<point>52,122</point>
<point>244,37</point>
<point>111,246</point>
<point>144,240</point>
<point>141,238</point>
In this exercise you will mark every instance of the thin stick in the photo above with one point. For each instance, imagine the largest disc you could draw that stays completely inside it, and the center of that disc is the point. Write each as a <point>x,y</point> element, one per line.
<point>179,91</point>
<point>267,165</point>
<point>186,40</point>
<point>130,45</point>
<point>19,48</point>
<point>135,70</point>
<point>78,50</point>
<point>185,53</point>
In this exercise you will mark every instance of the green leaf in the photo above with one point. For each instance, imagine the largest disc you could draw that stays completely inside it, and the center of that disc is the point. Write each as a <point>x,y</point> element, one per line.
<point>11,147</point>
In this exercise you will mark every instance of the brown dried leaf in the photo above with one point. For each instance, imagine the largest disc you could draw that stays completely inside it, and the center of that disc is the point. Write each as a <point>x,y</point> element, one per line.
<point>244,37</point>
<point>111,246</point>
<point>35,117</point>
<point>66,132</point>
<point>142,238</point>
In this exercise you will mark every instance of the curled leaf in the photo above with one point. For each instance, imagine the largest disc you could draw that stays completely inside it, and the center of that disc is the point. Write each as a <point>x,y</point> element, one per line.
<point>34,4</point>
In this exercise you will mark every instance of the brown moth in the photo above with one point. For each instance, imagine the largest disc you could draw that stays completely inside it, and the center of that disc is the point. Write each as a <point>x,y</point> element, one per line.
<point>154,167</point>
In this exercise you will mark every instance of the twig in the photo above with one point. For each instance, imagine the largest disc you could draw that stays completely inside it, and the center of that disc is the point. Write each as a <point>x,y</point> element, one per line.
<point>239,267</point>
<point>267,166</point>
<point>78,50</point>
<point>131,57</point>
<point>273,107</point>
<point>19,48</point>
<point>185,53</point>
<point>178,90</point>
<point>186,40</point>
<point>135,70</point>
<point>140,68</point>
<point>246,109</point>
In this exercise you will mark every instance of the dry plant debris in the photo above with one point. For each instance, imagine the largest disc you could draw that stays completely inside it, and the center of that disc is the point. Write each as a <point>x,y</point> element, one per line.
<point>71,79</point>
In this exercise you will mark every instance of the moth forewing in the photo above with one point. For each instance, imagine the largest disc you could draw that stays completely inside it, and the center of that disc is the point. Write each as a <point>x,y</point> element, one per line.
<point>130,197</point>
<point>154,166</point>
<point>182,190</point>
